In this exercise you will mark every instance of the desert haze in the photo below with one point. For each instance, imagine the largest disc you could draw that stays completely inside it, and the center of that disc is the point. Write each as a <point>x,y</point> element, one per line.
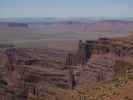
<point>62,34</point>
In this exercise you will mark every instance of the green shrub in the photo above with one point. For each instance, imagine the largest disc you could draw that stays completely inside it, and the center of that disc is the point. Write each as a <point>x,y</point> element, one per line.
<point>3,83</point>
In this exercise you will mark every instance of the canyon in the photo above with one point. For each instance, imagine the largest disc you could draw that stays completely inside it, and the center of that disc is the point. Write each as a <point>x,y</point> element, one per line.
<point>34,72</point>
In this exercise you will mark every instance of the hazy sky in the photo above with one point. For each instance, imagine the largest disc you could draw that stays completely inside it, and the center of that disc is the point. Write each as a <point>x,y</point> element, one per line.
<point>66,8</point>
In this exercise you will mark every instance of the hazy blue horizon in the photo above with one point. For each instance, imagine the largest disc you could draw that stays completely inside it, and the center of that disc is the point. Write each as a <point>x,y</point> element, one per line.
<point>66,8</point>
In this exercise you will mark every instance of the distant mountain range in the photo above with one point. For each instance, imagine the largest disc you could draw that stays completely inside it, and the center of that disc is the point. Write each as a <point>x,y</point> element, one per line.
<point>73,25</point>
<point>56,19</point>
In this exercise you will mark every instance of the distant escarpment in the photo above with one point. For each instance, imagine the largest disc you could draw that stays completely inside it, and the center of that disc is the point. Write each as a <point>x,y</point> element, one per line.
<point>14,24</point>
<point>114,26</point>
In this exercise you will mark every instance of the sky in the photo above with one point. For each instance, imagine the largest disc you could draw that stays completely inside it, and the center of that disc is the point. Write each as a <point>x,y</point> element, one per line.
<point>66,8</point>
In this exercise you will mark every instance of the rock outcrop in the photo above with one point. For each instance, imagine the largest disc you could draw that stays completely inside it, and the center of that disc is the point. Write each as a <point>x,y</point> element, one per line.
<point>100,60</point>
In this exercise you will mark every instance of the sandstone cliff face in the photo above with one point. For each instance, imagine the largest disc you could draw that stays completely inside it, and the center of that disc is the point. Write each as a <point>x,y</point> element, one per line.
<point>100,60</point>
<point>23,69</point>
